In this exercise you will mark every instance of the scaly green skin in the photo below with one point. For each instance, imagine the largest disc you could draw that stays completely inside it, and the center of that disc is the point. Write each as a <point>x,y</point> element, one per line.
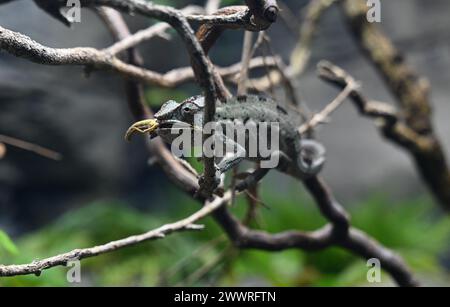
<point>298,157</point>
<point>260,110</point>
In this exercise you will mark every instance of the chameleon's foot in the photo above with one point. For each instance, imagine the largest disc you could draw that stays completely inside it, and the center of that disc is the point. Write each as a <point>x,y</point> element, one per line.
<point>312,157</point>
<point>209,189</point>
<point>143,126</point>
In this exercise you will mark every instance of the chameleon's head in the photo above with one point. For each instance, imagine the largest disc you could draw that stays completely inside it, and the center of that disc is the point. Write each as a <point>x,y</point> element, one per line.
<point>171,119</point>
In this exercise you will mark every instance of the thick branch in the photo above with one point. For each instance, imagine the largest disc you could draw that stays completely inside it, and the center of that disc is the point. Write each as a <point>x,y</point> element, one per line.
<point>425,149</point>
<point>412,92</point>
<point>355,241</point>
<point>134,91</point>
<point>389,120</point>
<point>23,46</point>
<point>260,15</point>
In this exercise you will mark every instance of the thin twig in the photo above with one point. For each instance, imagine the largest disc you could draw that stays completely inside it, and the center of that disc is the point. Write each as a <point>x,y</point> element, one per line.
<point>212,6</point>
<point>36,267</point>
<point>320,117</point>
<point>245,61</point>
<point>159,29</point>
<point>37,149</point>
<point>2,150</point>
<point>301,54</point>
<point>388,118</point>
<point>302,51</point>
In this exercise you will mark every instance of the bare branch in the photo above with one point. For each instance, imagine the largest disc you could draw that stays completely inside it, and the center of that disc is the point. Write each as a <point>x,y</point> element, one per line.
<point>302,51</point>
<point>23,46</point>
<point>245,60</point>
<point>412,92</point>
<point>288,81</point>
<point>39,150</point>
<point>323,115</point>
<point>36,267</point>
<point>389,121</point>
<point>137,38</point>
<point>256,18</point>
<point>212,6</point>
<point>183,178</point>
<point>2,150</point>
<point>300,55</point>
<point>337,233</point>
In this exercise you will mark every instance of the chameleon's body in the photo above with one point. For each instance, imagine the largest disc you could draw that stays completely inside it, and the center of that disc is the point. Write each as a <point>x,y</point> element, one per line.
<point>297,157</point>
<point>256,110</point>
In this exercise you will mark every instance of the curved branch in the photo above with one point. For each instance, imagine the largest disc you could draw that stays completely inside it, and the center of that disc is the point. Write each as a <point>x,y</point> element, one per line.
<point>412,92</point>
<point>337,233</point>
<point>22,46</point>
<point>390,121</point>
<point>140,36</point>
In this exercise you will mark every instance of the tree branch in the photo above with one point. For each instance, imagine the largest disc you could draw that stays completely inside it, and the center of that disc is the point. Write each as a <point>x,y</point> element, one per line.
<point>37,149</point>
<point>36,267</point>
<point>301,53</point>
<point>388,119</point>
<point>137,38</point>
<point>412,92</point>
<point>323,115</point>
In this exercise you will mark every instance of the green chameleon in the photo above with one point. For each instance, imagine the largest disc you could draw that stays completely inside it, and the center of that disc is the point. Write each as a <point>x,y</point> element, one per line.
<point>296,156</point>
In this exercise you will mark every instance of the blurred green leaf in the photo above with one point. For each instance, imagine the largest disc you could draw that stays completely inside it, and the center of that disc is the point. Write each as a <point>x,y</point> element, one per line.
<point>411,228</point>
<point>231,2</point>
<point>7,244</point>
<point>155,97</point>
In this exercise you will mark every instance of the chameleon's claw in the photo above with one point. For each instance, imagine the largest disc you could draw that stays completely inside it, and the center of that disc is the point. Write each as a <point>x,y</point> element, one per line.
<point>143,126</point>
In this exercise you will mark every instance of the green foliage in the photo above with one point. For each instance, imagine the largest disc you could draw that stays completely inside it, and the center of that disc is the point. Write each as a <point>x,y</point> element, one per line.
<point>174,3</point>
<point>231,2</point>
<point>157,96</point>
<point>6,244</point>
<point>410,228</point>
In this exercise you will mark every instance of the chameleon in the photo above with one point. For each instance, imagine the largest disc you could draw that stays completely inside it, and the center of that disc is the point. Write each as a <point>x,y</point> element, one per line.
<point>297,156</point>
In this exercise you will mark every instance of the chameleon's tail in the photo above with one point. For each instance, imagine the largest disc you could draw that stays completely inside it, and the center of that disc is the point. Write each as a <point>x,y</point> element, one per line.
<point>312,157</point>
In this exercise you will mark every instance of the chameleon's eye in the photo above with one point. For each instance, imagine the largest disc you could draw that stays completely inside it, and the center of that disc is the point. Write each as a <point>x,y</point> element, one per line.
<point>188,109</point>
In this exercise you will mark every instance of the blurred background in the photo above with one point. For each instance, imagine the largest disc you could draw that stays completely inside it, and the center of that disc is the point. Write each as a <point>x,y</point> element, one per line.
<point>104,189</point>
